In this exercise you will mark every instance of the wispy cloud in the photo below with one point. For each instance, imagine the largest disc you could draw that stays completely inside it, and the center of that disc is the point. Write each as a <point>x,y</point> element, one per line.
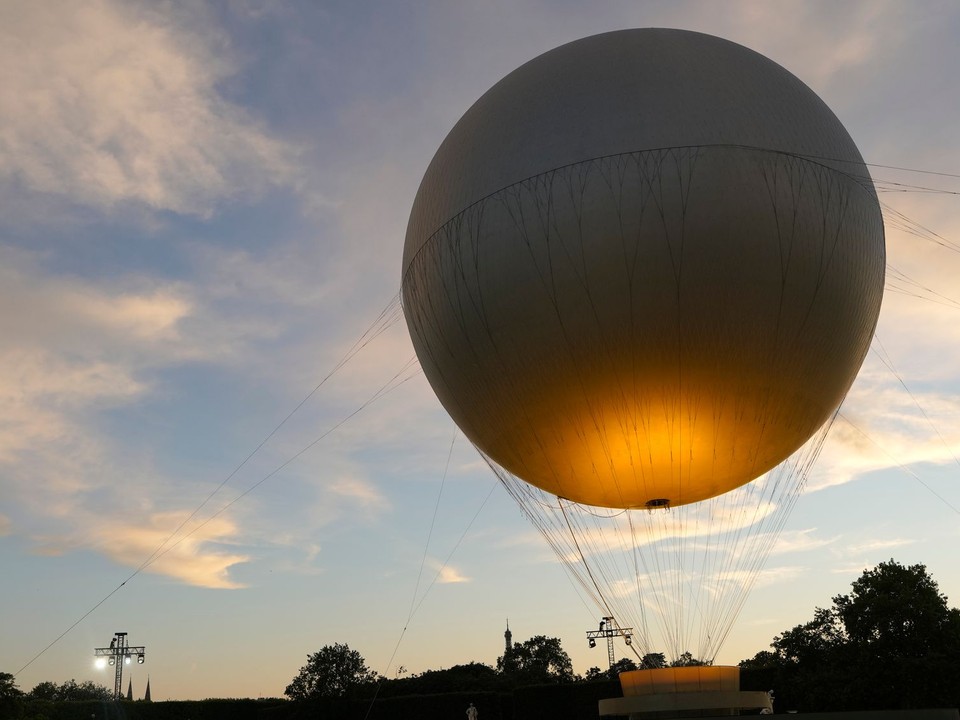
<point>79,349</point>
<point>84,348</point>
<point>817,50</point>
<point>882,426</point>
<point>106,102</point>
<point>800,541</point>
<point>448,574</point>
<point>766,577</point>
<point>195,559</point>
<point>879,544</point>
<point>358,492</point>
<point>853,568</point>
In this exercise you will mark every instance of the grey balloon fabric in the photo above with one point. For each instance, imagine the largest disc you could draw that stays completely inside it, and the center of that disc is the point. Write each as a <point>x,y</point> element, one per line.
<point>644,268</point>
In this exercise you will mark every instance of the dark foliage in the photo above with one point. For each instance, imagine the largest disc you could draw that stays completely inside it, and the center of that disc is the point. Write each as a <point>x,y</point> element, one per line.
<point>473,677</point>
<point>621,665</point>
<point>539,660</point>
<point>70,691</point>
<point>492,706</point>
<point>273,709</point>
<point>891,643</point>
<point>11,697</point>
<point>687,660</point>
<point>333,671</point>
<point>573,701</point>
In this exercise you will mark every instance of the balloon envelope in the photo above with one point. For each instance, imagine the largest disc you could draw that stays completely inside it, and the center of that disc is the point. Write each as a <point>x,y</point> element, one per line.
<point>644,268</point>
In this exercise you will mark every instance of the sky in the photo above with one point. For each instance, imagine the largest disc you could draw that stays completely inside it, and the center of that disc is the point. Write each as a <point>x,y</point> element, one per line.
<point>203,210</point>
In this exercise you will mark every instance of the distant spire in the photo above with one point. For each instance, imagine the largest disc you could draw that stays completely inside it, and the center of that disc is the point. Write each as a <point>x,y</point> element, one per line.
<point>508,638</point>
<point>130,690</point>
<point>146,695</point>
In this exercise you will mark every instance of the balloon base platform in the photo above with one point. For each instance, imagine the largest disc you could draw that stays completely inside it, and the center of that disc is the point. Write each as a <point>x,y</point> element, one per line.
<point>684,692</point>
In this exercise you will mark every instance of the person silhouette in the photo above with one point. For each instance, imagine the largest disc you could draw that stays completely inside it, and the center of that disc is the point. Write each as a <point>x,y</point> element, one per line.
<point>472,713</point>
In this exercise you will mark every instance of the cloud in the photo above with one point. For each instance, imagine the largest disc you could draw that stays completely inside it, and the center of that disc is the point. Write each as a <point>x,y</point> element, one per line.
<point>5,525</point>
<point>358,493</point>
<point>343,496</point>
<point>106,102</point>
<point>765,577</point>
<point>73,351</point>
<point>447,574</point>
<point>880,544</point>
<point>777,575</point>
<point>89,318</point>
<point>800,541</point>
<point>70,347</point>
<point>189,559</point>
<point>852,568</point>
<point>882,426</point>
<point>817,51</point>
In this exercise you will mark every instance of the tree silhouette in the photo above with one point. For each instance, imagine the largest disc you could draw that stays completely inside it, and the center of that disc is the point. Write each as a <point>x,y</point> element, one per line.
<point>10,696</point>
<point>333,671</point>
<point>621,665</point>
<point>892,642</point>
<point>540,659</point>
<point>686,659</point>
<point>471,677</point>
<point>8,686</point>
<point>69,691</point>
<point>653,661</point>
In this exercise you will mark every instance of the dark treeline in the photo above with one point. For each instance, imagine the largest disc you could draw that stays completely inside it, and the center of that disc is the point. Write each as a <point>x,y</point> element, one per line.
<point>892,642</point>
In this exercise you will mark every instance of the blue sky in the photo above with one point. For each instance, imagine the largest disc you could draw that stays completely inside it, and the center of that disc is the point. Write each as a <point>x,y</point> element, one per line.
<point>204,208</point>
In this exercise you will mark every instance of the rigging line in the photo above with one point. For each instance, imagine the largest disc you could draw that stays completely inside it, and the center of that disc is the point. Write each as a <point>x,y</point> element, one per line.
<point>65,632</point>
<point>559,539</point>
<point>433,522</point>
<point>540,514</point>
<point>926,234</point>
<point>413,610</point>
<point>387,317</point>
<point>583,559</point>
<point>157,554</point>
<point>910,293</point>
<point>891,186</point>
<point>466,530</point>
<point>798,470</point>
<point>385,389</point>
<point>900,276</point>
<point>639,559</point>
<point>885,167</point>
<point>900,465</point>
<point>885,359</point>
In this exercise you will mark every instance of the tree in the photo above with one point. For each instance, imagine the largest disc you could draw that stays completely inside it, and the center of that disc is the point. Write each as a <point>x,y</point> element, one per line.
<point>595,673</point>
<point>901,632</point>
<point>621,665</point>
<point>10,696</point>
<point>687,660</point>
<point>892,642</point>
<point>45,690</point>
<point>86,690</point>
<point>69,691</point>
<point>472,677</point>
<point>537,660</point>
<point>895,611</point>
<point>653,661</point>
<point>8,686</point>
<point>334,671</point>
